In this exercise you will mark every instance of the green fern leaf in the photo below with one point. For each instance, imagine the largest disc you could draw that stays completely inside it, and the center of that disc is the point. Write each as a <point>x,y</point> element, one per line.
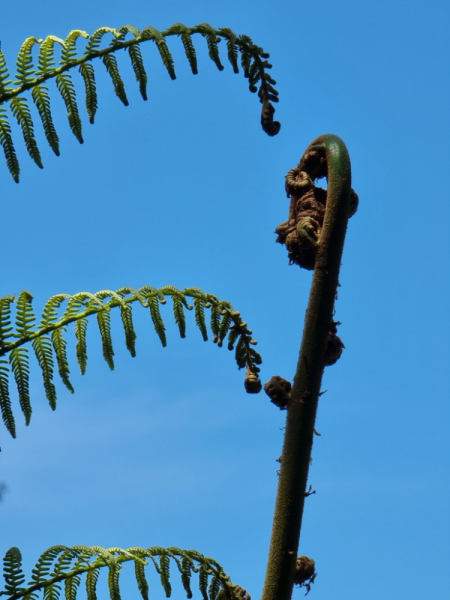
<point>20,367</point>
<point>104,325</point>
<point>154,34</point>
<point>158,323</point>
<point>110,62</point>
<point>52,591</point>
<point>128,29</point>
<point>12,571</point>
<point>66,89</point>
<point>87,72</point>
<point>212,40</point>
<point>25,69</point>
<point>224,327</point>
<point>43,350</point>
<point>59,346</point>
<point>232,47</point>
<point>241,352</point>
<point>4,75</point>
<point>178,312</point>
<point>69,51</point>
<point>203,581</point>
<point>232,337</point>
<point>42,100</point>
<point>8,147</point>
<point>5,402</point>
<point>5,319</point>
<point>139,570</point>
<point>80,333</point>
<point>186,575</point>
<point>20,109</point>
<point>139,69</point>
<point>45,562</point>
<point>24,314</point>
<point>215,586</point>
<point>200,317</point>
<point>127,322</point>
<point>113,581</point>
<point>71,586</point>
<point>91,583</point>
<point>215,322</point>
<point>164,564</point>
<point>46,59</point>
<point>96,38</point>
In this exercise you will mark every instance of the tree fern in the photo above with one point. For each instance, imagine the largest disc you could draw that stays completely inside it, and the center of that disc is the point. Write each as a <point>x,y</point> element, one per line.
<point>60,565</point>
<point>33,77</point>
<point>48,338</point>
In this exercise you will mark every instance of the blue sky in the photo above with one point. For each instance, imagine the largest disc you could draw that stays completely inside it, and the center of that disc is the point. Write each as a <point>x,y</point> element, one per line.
<point>185,189</point>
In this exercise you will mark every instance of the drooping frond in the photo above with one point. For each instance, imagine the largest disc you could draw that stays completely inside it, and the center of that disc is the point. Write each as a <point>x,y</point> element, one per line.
<point>48,337</point>
<point>33,77</point>
<point>62,566</point>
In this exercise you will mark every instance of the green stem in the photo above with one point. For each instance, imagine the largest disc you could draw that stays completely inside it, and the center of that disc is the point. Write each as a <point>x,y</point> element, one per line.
<point>302,408</point>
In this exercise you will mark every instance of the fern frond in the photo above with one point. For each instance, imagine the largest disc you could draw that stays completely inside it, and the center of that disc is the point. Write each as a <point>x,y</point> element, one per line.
<point>253,60</point>
<point>60,565</point>
<point>20,109</point>
<point>8,147</point>
<point>66,89</point>
<point>212,40</point>
<point>49,335</point>
<point>110,62</point>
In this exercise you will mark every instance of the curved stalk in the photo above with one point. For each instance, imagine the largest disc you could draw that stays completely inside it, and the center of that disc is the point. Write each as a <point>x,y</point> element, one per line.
<point>302,407</point>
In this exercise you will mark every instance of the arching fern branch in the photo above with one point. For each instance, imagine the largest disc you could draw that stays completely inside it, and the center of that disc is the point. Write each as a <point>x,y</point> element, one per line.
<point>30,77</point>
<point>47,339</point>
<point>62,566</point>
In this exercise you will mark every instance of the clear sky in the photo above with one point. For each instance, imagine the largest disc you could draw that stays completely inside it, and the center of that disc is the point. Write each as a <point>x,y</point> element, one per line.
<point>186,189</point>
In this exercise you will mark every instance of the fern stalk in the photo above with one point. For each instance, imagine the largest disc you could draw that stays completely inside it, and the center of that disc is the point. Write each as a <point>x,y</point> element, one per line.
<point>302,406</point>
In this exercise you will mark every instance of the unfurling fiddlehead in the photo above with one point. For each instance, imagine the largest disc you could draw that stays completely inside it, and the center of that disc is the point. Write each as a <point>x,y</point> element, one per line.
<point>60,565</point>
<point>314,235</point>
<point>47,339</point>
<point>30,77</point>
